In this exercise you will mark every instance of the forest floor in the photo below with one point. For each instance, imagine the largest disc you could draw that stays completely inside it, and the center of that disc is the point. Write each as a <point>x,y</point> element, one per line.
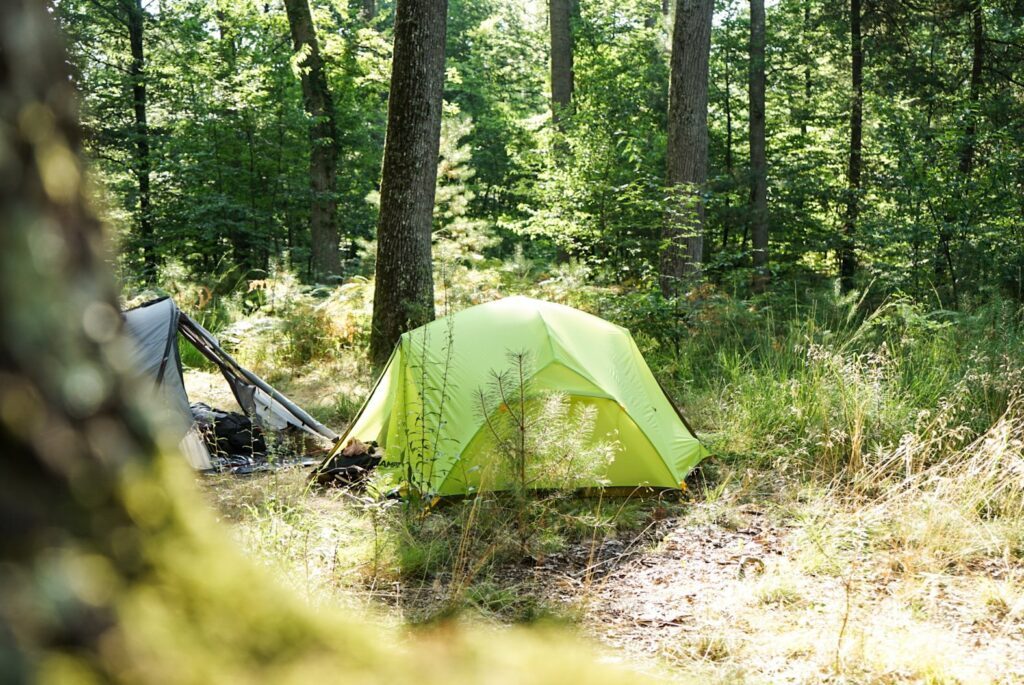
<point>762,573</point>
<point>708,590</point>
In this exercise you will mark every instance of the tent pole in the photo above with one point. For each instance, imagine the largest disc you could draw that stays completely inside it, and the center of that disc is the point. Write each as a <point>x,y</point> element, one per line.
<point>193,330</point>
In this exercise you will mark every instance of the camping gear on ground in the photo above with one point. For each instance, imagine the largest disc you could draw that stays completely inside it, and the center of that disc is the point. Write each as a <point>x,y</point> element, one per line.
<point>229,435</point>
<point>155,327</point>
<point>425,410</point>
<point>351,466</point>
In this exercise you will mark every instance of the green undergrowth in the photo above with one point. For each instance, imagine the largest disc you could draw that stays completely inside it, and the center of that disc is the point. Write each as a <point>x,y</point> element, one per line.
<point>884,435</point>
<point>460,556</point>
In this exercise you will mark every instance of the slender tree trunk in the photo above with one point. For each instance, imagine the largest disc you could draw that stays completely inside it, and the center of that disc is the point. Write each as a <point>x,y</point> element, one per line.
<point>807,69</point>
<point>683,233</point>
<point>729,170</point>
<point>242,240</point>
<point>323,143</point>
<point>847,248</point>
<point>561,57</point>
<point>967,150</point>
<point>758,161</point>
<point>368,9</point>
<point>968,145</point>
<point>404,296</point>
<point>143,164</point>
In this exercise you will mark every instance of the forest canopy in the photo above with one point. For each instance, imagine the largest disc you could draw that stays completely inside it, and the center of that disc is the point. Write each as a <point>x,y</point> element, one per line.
<point>225,150</point>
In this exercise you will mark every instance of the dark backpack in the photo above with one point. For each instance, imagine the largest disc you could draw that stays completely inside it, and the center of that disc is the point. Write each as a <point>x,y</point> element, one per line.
<point>350,467</point>
<point>228,434</point>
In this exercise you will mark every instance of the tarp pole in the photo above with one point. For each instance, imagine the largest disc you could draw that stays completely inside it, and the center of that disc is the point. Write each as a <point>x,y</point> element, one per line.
<point>188,324</point>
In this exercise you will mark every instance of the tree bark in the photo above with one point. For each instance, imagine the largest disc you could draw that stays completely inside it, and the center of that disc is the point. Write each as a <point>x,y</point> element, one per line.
<point>683,232</point>
<point>368,9</point>
<point>143,164</point>
<point>404,295</point>
<point>561,58</point>
<point>758,161</point>
<point>806,114</point>
<point>729,167</point>
<point>965,164</point>
<point>847,247</point>
<point>967,150</point>
<point>323,143</point>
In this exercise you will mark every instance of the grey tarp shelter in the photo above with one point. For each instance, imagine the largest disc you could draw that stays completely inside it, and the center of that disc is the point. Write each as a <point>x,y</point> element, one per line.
<point>155,326</point>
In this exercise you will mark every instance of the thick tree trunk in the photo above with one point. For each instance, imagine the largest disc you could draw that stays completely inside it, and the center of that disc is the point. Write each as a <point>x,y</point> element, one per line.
<point>323,142</point>
<point>143,164</point>
<point>57,309</point>
<point>847,247</point>
<point>683,233</point>
<point>404,295</point>
<point>561,57</point>
<point>758,161</point>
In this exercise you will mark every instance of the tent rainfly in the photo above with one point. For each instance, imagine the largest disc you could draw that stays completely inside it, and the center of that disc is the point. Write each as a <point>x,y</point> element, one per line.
<point>436,373</point>
<point>154,328</point>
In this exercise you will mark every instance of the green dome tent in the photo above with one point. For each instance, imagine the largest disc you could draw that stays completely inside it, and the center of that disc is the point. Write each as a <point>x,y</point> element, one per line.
<point>425,409</point>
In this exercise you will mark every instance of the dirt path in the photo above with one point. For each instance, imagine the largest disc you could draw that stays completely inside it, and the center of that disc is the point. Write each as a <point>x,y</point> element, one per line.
<point>737,602</point>
<point>715,591</point>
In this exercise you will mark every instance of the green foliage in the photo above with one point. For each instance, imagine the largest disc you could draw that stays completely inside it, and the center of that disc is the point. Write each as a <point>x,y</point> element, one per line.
<point>831,385</point>
<point>230,189</point>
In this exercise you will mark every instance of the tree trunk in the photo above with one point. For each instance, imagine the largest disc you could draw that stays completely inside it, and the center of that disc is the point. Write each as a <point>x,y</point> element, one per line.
<point>136,28</point>
<point>977,65</point>
<point>323,143</point>
<point>968,146</point>
<point>729,169</point>
<point>404,296</point>
<point>758,162</point>
<point>807,69</point>
<point>242,239</point>
<point>561,58</point>
<point>847,248</point>
<point>683,233</point>
<point>368,9</point>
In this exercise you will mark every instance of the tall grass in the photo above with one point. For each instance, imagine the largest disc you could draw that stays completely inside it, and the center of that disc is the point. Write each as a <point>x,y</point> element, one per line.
<point>829,387</point>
